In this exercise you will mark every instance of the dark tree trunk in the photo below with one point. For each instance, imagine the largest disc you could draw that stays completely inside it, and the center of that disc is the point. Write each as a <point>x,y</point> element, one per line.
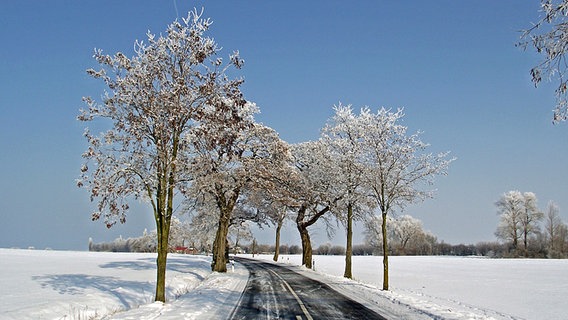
<point>277,244</point>
<point>305,237</point>
<point>219,263</point>
<point>306,246</point>
<point>385,253</point>
<point>525,240</point>
<point>304,234</point>
<point>161,262</point>
<point>163,230</point>
<point>349,248</point>
<point>220,245</point>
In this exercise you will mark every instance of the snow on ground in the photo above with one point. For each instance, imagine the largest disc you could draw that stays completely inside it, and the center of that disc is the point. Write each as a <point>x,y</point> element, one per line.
<point>95,285</point>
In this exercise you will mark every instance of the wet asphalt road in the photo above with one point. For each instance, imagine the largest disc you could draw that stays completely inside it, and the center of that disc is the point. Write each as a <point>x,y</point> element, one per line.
<point>276,292</point>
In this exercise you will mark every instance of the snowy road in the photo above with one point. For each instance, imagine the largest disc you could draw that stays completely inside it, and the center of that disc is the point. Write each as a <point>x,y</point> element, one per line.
<point>276,292</point>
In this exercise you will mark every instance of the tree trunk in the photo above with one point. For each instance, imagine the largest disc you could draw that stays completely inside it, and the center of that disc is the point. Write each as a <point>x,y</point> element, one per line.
<point>163,215</point>
<point>305,237</point>
<point>277,244</point>
<point>306,246</point>
<point>349,248</point>
<point>219,263</point>
<point>525,242</point>
<point>515,237</point>
<point>161,262</point>
<point>385,253</point>
<point>163,229</point>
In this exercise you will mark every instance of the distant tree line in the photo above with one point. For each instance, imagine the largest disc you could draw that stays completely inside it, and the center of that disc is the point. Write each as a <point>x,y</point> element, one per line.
<point>486,249</point>
<point>528,232</point>
<point>406,236</point>
<point>180,236</point>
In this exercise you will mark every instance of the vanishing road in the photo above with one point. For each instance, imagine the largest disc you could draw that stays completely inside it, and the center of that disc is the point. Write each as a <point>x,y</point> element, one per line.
<point>276,292</point>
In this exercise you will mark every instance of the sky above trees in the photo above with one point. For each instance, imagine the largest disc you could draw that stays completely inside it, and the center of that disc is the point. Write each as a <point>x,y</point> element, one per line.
<point>453,67</point>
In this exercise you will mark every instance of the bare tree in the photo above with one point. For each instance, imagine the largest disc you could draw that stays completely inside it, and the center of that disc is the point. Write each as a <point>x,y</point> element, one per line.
<point>519,218</point>
<point>549,37</point>
<point>313,190</point>
<point>553,227</point>
<point>203,224</point>
<point>238,160</point>
<point>552,223</point>
<point>510,209</point>
<point>530,219</point>
<point>407,229</point>
<point>156,99</point>
<point>342,135</point>
<point>240,233</point>
<point>280,214</point>
<point>399,171</point>
<point>405,235</point>
<point>562,239</point>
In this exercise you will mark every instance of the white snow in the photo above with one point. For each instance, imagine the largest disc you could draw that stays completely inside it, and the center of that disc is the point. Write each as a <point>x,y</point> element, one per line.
<point>457,287</point>
<point>95,285</point>
<point>92,285</point>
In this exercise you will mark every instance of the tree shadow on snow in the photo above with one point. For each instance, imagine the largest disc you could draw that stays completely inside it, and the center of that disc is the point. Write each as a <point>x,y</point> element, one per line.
<point>76,284</point>
<point>177,264</point>
<point>126,292</point>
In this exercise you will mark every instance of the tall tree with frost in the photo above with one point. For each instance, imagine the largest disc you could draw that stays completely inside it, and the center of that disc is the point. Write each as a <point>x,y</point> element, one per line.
<point>313,188</point>
<point>279,217</point>
<point>342,135</point>
<point>399,170</point>
<point>271,198</point>
<point>406,229</point>
<point>229,161</point>
<point>549,37</point>
<point>510,209</point>
<point>530,218</point>
<point>552,225</point>
<point>169,88</point>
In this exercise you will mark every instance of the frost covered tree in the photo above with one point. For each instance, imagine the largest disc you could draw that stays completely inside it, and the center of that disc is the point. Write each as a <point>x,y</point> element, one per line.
<point>203,223</point>
<point>405,234</point>
<point>406,230</point>
<point>313,190</point>
<point>549,37</point>
<point>519,218</point>
<point>510,209</point>
<point>240,233</point>
<point>554,230</point>
<point>374,233</point>
<point>279,216</point>
<point>399,170</point>
<point>180,235</point>
<point>171,88</point>
<point>269,202</point>
<point>230,161</point>
<point>530,219</point>
<point>342,136</point>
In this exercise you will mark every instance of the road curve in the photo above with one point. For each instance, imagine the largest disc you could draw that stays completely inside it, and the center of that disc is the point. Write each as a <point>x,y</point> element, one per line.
<point>276,292</point>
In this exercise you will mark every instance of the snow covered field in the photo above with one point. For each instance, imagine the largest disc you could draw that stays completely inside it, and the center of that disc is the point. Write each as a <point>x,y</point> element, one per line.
<point>93,285</point>
<point>464,287</point>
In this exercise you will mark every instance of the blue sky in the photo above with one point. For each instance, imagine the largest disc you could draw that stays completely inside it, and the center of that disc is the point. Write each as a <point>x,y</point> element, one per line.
<point>452,65</point>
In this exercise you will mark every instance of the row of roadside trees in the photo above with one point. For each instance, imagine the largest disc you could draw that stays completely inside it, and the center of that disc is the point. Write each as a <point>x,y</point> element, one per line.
<point>177,132</point>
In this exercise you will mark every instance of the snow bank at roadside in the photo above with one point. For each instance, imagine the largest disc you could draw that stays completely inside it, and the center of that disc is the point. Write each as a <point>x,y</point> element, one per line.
<point>214,298</point>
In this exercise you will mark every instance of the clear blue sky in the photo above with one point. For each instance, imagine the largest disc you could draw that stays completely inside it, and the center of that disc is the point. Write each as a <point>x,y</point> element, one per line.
<point>452,65</point>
